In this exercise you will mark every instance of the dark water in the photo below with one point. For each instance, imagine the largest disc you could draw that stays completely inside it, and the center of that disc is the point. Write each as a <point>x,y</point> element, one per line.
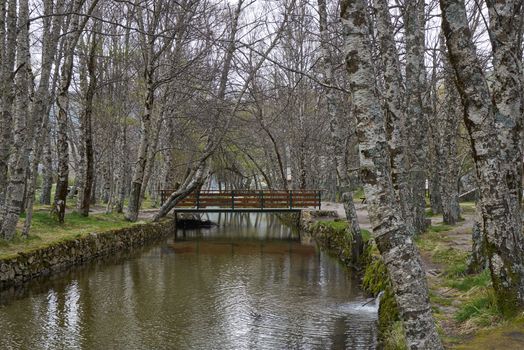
<point>247,284</point>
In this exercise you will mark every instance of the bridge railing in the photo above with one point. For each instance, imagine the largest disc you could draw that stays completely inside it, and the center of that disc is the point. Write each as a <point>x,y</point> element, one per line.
<point>249,199</point>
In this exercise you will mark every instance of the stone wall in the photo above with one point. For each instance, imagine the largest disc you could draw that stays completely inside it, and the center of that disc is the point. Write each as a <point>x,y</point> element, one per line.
<point>60,255</point>
<point>332,235</point>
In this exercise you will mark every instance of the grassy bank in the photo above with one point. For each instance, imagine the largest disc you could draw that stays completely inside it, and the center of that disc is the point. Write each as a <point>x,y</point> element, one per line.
<point>45,230</point>
<point>464,304</point>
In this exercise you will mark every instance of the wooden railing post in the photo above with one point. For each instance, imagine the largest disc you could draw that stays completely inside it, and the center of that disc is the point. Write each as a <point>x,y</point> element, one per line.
<point>290,199</point>
<point>232,199</point>
<point>319,199</point>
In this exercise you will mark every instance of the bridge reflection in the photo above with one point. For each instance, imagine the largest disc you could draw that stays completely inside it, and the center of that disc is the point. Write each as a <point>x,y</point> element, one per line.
<point>241,247</point>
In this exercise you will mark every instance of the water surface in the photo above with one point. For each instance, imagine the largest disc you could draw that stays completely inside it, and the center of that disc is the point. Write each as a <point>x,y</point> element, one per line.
<point>247,284</point>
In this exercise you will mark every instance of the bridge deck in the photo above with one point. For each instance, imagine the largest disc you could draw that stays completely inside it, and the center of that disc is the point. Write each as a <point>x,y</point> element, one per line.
<point>247,201</point>
<point>236,210</point>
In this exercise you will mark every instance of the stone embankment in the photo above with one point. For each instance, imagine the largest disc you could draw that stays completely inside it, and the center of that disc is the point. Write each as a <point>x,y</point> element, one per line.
<point>61,255</point>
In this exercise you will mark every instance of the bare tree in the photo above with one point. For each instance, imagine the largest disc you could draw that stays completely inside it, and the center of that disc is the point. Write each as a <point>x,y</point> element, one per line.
<point>74,30</point>
<point>393,240</point>
<point>493,119</point>
<point>23,122</point>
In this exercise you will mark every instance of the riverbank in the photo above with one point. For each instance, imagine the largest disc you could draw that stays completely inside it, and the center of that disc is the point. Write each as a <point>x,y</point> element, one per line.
<point>53,247</point>
<point>463,304</point>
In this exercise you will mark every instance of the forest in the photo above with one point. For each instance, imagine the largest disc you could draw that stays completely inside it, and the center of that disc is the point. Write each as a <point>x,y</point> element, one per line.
<point>410,106</point>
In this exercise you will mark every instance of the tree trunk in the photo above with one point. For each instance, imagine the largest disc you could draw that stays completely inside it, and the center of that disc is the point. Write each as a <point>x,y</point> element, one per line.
<point>449,115</point>
<point>47,172</point>
<point>193,181</point>
<point>86,134</point>
<point>477,261</point>
<point>123,178</point>
<point>140,165</point>
<point>42,102</point>
<point>416,124</point>
<point>395,108</point>
<point>394,242</point>
<point>151,156</point>
<point>22,133</point>
<point>493,147</point>
<point>8,37</point>
<point>339,144</point>
<point>71,39</point>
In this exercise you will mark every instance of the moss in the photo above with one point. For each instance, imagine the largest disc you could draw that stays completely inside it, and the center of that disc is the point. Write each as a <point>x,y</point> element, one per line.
<point>335,225</point>
<point>336,238</point>
<point>366,235</point>
<point>395,338</point>
<point>374,281</point>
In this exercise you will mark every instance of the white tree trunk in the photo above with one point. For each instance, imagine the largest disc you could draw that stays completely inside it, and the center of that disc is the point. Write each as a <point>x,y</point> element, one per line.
<point>492,120</point>
<point>416,124</point>
<point>395,108</point>
<point>8,38</point>
<point>394,242</point>
<point>23,129</point>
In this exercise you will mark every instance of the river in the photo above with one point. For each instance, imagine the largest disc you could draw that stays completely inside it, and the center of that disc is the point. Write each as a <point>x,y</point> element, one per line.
<point>247,284</point>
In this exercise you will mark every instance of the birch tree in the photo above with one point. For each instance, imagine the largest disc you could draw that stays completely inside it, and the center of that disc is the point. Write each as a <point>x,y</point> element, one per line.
<point>88,86</point>
<point>52,25</point>
<point>493,118</point>
<point>200,171</point>
<point>153,43</point>
<point>393,240</point>
<point>416,123</point>
<point>448,125</point>
<point>8,35</point>
<point>74,30</point>
<point>23,124</point>
<point>394,105</point>
<point>333,113</point>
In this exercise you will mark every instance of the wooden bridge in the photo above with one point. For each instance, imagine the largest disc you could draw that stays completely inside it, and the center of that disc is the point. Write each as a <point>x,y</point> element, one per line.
<point>246,200</point>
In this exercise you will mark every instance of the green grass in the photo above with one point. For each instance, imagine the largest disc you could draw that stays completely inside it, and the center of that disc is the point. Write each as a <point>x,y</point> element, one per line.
<point>366,235</point>
<point>477,307</point>
<point>336,225</point>
<point>359,193</point>
<point>340,225</point>
<point>439,228</point>
<point>468,207</point>
<point>430,213</point>
<point>481,310</point>
<point>467,283</point>
<point>506,335</point>
<point>395,338</point>
<point>46,231</point>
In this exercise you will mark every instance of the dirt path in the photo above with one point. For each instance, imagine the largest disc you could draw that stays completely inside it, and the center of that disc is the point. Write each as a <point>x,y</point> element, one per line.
<point>458,237</point>
<point>362,214</point>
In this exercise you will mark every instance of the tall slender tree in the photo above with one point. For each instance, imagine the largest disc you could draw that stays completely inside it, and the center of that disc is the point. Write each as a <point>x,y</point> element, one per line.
<point>393,240</point>
<point>493,118</point>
